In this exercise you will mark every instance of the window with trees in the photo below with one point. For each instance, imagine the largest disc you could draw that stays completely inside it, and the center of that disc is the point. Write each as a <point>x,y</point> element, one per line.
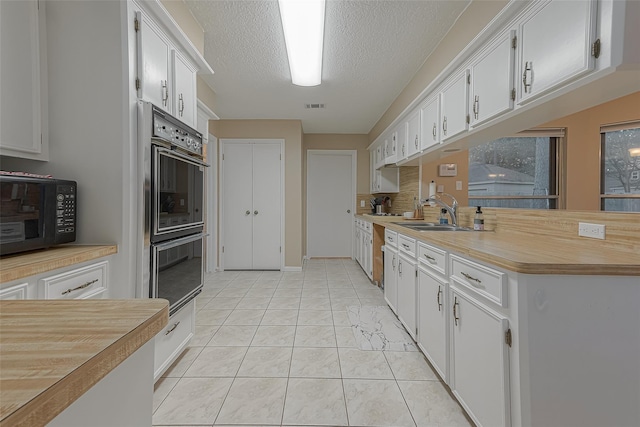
<point>516,172</point>
<point>620,167</point>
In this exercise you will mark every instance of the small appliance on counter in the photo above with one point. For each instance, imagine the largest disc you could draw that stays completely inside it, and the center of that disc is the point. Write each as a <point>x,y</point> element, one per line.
<point>36,212</point>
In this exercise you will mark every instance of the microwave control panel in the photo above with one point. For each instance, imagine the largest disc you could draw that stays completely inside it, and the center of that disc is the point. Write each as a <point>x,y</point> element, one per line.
<point>65,209</point>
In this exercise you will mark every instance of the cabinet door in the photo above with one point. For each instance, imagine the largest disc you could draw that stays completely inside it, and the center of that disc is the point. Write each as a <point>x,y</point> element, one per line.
<point>432,321</point>
<point>391,277</point>
<point>392,148</point>
<point>413,134</point>
<point>492,90</point>
<point>407,294</point>
<point>22,66</point>
<point>372,170</point>
<point>184,89</point>
<point>402,148</point>
<point>555,46</point>
<point>454,106</point>
<point>153,64</point>
<point>267,204</point>
<point>479,361</point>
<point>430,118</point>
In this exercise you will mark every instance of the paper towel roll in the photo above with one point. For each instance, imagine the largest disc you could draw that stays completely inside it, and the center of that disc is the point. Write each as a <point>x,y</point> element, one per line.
<point>432,192</point>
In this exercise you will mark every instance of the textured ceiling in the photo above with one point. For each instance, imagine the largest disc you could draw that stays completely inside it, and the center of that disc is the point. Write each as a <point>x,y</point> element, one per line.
<point>372,49</point>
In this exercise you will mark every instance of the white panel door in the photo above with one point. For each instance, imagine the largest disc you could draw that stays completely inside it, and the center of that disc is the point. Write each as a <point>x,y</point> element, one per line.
<point>184,89</point>
<point>453,106</point>
<point>391,277</point>
<point>430,128</point>
<point>432,321</point>
<point>330,200</point>
<point>237,205</point>
<point>266,206</point>
<point>407,294</point>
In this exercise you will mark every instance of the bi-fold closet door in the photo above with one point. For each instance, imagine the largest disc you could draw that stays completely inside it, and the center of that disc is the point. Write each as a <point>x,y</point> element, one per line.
<point>251,205</point>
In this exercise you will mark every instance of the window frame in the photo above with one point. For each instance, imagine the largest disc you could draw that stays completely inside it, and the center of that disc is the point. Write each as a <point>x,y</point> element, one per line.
<point>613,127</point>
<point>557,168</point>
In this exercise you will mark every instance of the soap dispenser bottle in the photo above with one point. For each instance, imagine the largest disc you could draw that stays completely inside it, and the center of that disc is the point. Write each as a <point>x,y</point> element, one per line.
<point>478,220</point>
<point>443,217</point>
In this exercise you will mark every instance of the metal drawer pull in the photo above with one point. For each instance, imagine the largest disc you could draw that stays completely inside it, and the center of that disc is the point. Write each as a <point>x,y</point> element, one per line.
<point>527,67</point>
<point>433,131</point>
<point>86,285</point>
<point>173,328</point>
<point>469,277</point>
<point>438,297</point>
<point>455,313</point>
<point>416,141</point>
<point>405,246</point>
<point>393,263</point>
<point>430,258</point>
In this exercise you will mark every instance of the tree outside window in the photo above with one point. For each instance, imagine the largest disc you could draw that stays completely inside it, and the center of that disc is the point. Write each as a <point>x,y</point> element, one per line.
<point>620,171</point>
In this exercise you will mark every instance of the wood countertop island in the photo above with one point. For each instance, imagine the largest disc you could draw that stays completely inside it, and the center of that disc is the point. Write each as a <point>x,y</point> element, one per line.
<point>53,351</point>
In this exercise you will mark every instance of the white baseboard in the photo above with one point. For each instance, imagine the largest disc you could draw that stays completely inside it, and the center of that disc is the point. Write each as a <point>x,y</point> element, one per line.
<point>291,269</point>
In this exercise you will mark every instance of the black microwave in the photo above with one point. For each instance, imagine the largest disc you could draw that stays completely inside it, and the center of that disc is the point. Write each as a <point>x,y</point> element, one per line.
<point>36,213</point>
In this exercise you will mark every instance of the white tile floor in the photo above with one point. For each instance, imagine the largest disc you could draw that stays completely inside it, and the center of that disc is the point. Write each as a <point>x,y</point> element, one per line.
<point>276,348</point>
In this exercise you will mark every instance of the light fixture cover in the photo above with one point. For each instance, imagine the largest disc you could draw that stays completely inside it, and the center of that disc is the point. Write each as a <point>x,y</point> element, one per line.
<point>634,152</point>
<point>303,25</point>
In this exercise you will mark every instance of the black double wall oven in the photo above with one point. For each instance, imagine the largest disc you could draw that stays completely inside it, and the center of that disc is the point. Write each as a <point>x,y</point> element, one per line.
<point>173,223</point>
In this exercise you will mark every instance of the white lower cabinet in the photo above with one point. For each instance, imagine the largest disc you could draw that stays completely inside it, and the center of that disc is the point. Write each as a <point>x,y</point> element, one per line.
<point>174,338</point>
<point>15,292</point>
<point>364,246</point>
<point>391,277</point>
<point>479,360</point>
<point>433,327</point>
<point>407,293</point>
<point>90,281</point>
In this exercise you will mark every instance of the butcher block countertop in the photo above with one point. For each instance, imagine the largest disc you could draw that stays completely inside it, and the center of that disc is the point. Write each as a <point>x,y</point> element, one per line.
<point>53,351</point>
<point>14,267</point>
<point>525,253</point>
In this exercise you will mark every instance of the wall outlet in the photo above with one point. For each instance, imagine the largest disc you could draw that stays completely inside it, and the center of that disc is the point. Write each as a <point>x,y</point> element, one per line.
<point>595,231</point>
<point>440,189</point>
<point>181,202</point>
<point>458,185</point>
<point>362,203</point>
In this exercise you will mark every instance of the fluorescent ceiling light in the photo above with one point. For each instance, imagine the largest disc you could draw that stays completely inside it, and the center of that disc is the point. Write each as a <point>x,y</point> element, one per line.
<point>634,152</point>
<point>303,24</point>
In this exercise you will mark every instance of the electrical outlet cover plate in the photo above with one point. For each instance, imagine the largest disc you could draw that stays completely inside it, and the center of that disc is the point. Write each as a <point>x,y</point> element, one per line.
<point>595,231</point>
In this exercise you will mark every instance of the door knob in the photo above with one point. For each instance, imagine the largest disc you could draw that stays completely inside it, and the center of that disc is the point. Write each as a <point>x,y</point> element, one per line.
<point>247,213</point>
<point>348,210</point>
<point>255,212</point>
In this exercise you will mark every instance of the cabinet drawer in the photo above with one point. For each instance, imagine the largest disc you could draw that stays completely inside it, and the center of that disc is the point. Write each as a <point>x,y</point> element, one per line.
<point>433,258</point>
<point>390,238</point>
<point>407,245</point>
<point>18,291</point>
<point>172,340</point>
<point>485,281</point>
<point>81,283</point>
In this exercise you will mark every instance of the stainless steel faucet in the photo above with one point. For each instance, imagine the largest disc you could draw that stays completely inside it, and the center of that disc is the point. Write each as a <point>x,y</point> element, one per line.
<point>451,210</point>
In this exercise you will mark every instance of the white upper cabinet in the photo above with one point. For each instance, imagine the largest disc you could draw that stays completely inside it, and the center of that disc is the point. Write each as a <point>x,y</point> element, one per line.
<point>401,132</point>
<point>430,118</point>
<point>184,89</point>
<point>454,105</point>
<point>23,77</point>
<point>153,63</point>
<point>492,89</point>
<point>391,143</point>
<point>413,133</point>
<point>555,46</point>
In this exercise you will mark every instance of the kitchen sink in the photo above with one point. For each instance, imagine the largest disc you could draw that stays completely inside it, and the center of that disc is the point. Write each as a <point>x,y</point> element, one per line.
<point>429,226</point>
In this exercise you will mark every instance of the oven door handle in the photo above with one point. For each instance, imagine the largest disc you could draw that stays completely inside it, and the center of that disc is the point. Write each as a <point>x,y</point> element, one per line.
<point>173,153</point>
<point>181,241</point>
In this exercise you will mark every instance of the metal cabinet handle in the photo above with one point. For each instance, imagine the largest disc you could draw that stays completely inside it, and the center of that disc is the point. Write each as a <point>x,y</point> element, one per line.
<point>528,66</point>
<point>405,246</point>
<point>247,213</point>
<point>430,258</point>
<point>393,263</point>
<point>438,297</point>
<point>165,92</point>
<point>403,150</point>
<point>416,141</point>
<point>444,125</point>
<point>433,131</point>
<point>180,104</point>
<point>476,106</point>
<point>470,278</point>
<point>86,285</point>
<point>455,313</point>
<point>399,268</point>
<point>173,328</point>
<point>255,212</point>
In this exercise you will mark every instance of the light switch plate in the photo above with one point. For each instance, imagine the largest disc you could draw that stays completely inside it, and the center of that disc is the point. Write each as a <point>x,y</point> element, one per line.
<point>440,189</point>
<point>458,185</point>
<point>595,231</point>
<point>362,203</point>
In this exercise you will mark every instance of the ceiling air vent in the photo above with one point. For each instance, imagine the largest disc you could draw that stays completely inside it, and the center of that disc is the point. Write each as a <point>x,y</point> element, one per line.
<point>314,106</point>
